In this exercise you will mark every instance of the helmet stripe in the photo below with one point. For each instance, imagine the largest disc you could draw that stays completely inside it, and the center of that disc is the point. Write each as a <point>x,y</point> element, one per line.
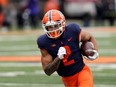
<point>50,16</point>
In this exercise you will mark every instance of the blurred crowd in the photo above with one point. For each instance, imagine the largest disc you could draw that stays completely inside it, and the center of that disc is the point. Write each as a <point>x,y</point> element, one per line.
<point>24,14</point>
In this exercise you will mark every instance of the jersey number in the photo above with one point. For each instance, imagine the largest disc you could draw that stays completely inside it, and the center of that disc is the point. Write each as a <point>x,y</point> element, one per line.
<point>65,60</point>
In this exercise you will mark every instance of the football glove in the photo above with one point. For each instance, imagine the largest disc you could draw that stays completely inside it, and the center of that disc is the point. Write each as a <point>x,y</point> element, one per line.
<point>61,52</point>
<point>94,56</point>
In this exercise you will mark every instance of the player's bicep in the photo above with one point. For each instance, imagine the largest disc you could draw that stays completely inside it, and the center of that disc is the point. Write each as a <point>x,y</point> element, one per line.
<point>46,58</point>
<point>85,36</point>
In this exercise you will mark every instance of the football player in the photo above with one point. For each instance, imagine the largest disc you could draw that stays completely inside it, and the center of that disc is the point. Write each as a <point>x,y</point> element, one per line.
<point>60,50</point>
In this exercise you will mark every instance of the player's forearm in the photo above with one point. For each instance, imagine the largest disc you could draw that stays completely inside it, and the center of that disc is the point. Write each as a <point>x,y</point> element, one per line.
<point>52,67</point>
<point>93,40</point>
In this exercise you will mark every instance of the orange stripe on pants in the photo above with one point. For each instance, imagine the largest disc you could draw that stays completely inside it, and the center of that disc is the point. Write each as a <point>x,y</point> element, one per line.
<point>82,79</point>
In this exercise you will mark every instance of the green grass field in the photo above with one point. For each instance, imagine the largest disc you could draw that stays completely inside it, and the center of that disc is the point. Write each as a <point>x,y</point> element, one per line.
<point>21,74</point>
<point>31,75</point>
<point>24,43</point>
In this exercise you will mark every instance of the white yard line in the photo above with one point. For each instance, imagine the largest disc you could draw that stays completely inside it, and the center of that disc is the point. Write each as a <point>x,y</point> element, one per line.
<point>105,43</point>
<point>28,64</point>
<point>31,85</point>
<point>23,73</point>
<point>20,64</point>
<point>102,66</point>
<point>20,53</point>
<point>108,51</point>
<point>93,67</point>
<point>41,72</point>
<point>18,47</point>
<point>103,35</point>
<point>103,85</point>
<point>44,85</point>
<point>17,38</point>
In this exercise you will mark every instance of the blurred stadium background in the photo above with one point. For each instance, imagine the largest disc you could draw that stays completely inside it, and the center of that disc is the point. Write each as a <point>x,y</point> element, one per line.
<point>20,26</point>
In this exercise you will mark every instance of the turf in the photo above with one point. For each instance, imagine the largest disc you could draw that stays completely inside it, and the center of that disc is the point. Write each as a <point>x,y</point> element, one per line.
<point>23,75</point>
<point>25,44</point>
<point>32,75</point>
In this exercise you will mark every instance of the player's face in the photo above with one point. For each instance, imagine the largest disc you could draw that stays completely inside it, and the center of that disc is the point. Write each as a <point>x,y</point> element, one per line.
<point>54,30</point>
<point>53,27</point>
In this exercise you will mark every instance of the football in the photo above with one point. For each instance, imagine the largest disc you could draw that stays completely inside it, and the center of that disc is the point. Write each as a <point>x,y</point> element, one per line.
<point>87,46</point>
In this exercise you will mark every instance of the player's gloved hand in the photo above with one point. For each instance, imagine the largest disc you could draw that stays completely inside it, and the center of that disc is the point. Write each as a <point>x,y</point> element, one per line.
<point>94,56</point>
<point>61,52</point>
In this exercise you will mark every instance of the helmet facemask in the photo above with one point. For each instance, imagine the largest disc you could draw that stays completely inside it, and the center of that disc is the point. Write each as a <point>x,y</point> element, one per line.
<point>53,29</point>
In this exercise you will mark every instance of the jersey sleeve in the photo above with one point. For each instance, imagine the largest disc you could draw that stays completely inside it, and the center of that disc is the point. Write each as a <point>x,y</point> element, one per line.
<point>76,29</point>
<point>40,43</point>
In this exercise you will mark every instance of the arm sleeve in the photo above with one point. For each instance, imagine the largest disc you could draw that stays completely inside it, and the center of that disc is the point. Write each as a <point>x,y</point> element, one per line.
<point>40,43</point>
<point>76,29</point>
